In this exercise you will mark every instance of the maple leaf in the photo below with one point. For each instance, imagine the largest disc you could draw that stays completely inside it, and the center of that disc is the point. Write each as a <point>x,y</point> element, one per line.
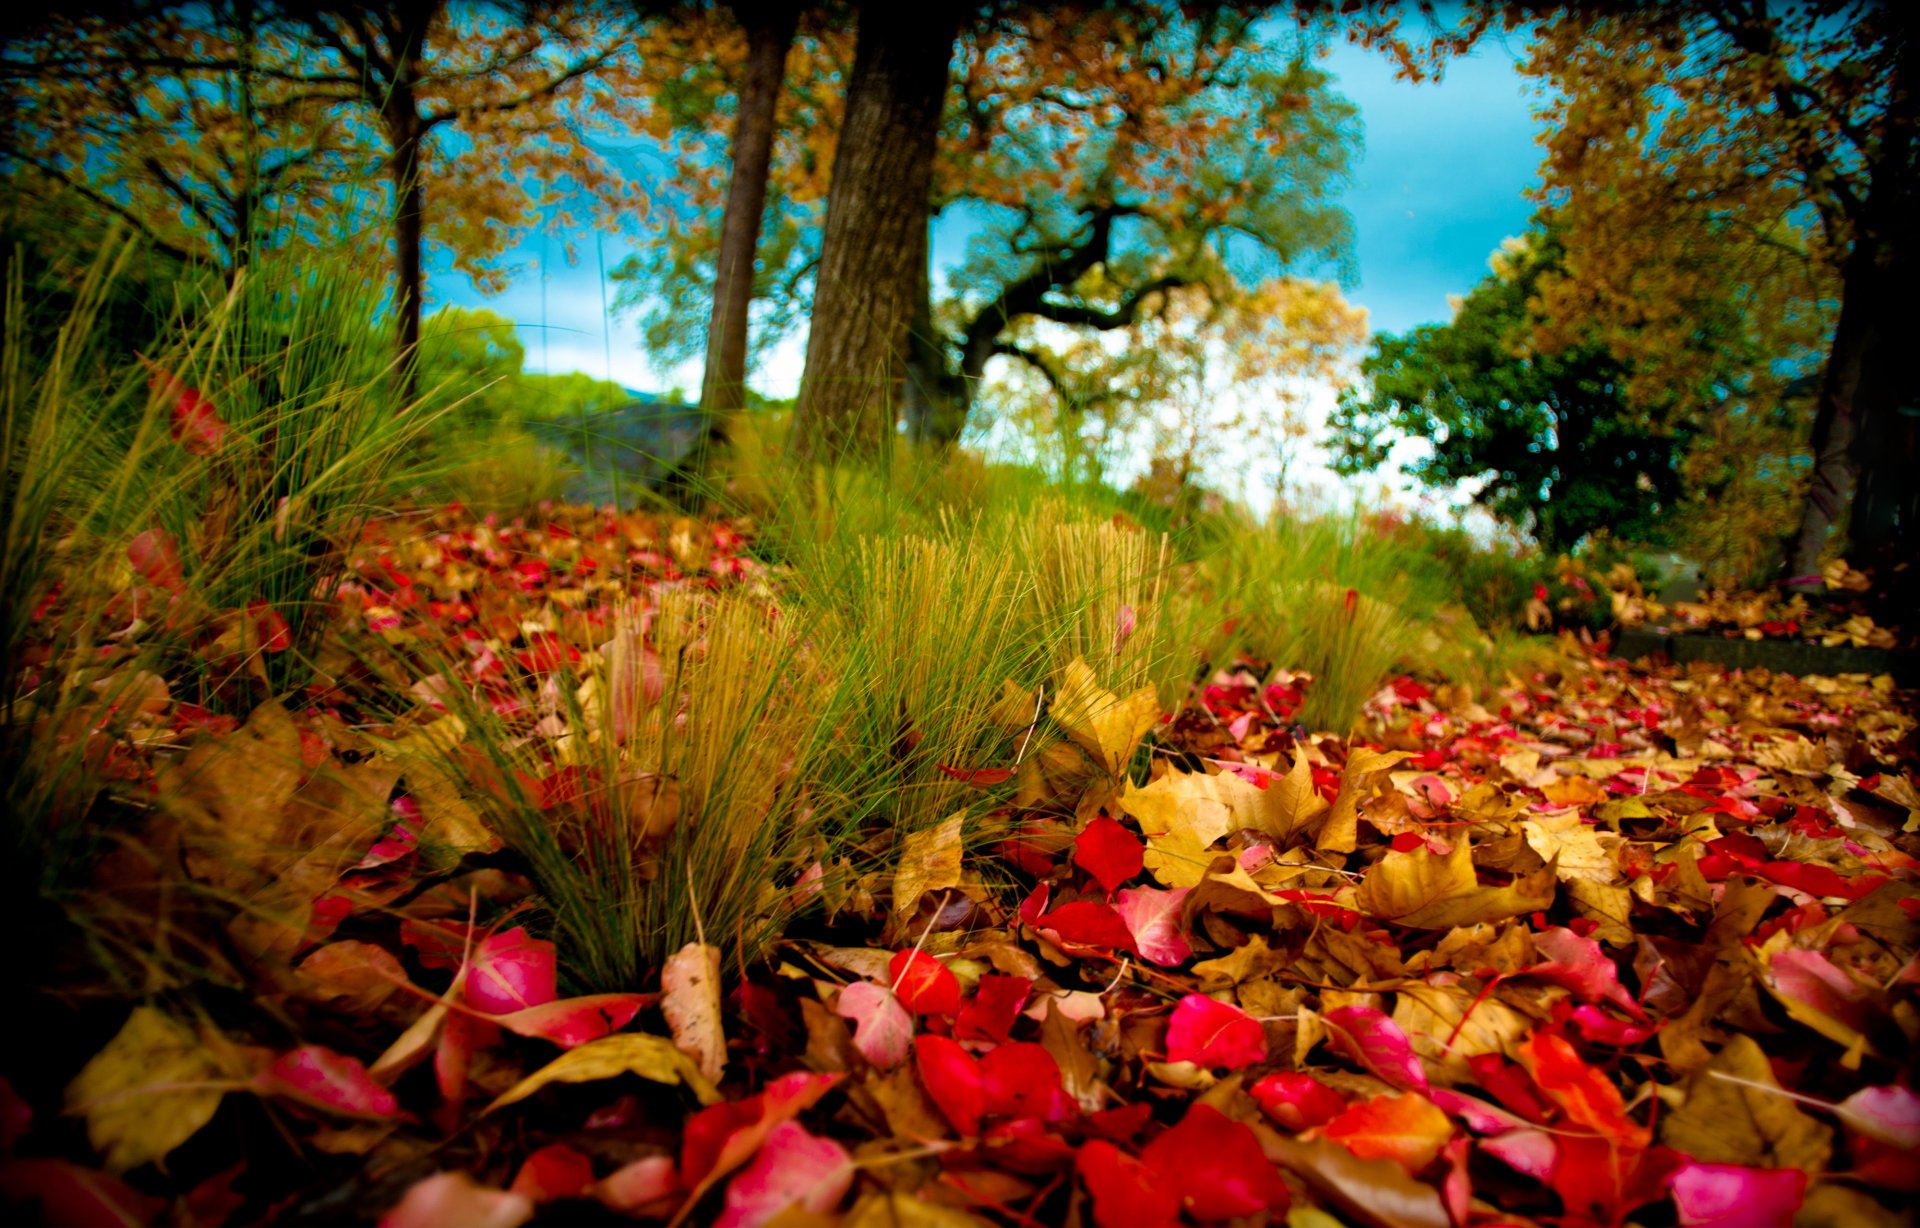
<point>1340,832</point>
<point>1424,891</point>
<point>1104,725</point>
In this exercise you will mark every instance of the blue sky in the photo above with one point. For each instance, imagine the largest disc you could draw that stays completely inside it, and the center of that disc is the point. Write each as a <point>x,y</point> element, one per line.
<point>1440,181</point>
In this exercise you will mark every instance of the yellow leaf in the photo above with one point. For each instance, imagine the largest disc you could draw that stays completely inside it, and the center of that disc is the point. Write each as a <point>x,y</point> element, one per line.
<point>1104,725</point>
<point>1429,892</point>
<point>1341,831</point>
<point>1574,847</point>
<point>929,861</point>
<point>650,1057</point>
<point>1736,1114</point>
<point>145,1094</point>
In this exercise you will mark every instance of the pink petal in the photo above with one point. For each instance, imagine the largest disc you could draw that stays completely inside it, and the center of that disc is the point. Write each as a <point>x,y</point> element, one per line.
<point>1209,1033</point>
<point>794,1169</point>
<point>1154,917</point>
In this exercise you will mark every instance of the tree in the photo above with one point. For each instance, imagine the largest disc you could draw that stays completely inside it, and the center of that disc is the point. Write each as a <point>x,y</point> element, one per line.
<point>769,26</point>
<point>1768,146</point>
<point>874,249</point>
<point>1558,446</point>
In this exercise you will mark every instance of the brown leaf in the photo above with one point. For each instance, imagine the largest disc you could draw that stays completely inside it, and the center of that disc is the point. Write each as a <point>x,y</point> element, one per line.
<point>1426,891</point>
<point>1736,1114</point>
<point>690,999</point>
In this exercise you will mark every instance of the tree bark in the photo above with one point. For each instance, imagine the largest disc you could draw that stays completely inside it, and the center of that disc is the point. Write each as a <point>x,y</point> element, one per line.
<point>877,211</point>
<point>406,131</point>
<point>769,27</point>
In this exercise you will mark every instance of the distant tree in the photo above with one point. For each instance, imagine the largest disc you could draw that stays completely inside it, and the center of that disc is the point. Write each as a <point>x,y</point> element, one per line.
<point>1559,447</point>
<point>1768,147</point>
<point>478,354</point>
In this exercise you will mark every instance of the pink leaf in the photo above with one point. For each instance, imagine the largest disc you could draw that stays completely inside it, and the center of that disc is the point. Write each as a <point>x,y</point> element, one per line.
<point>1209,1033</point>
<point>1810,978</point>
<point>1217,1166</point>
<point>453,1198</point>
<point>1583,967</point>
<point>1108,852</point>
<point>571,1022</point>
<point>794,1169</point>
<point>648,1186</point>
<point>315,1075</point>
<point>1729,1196</point>
<point>1376,1042</point>
<point>995,1006</point>
<point>156,559</point>
<point>1889,1115</point>
<point>1126,1193</point>
<point>1022,1079</point>
<point>925,985</point>
<point>1297,1100</point>
<point>882,1028</point>
<point>953,1081</point>
<point>1153,916</point>
<point>511,972</point>
<point>719,1139</point>
<point>1086,924</point>
<point>1530,1152</point>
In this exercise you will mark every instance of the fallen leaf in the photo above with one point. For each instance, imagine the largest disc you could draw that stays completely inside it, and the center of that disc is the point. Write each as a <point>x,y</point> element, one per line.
<point>1423,890</point>
<point>1108,852</point>
<point>651,1057</point>
<point>1104,725</point>
<point>1153,917</point>
<point>792,1169</point>
<point>929,861</point>
<point>453,1198</point>
<point>882,1028</point>
<point>1406,1129</point>
<point>1213,1034</point>
<point>1340,832</point>
<point>320,1078</point>
<point>1729,1196</point>
<point>146,1092</point>
<point>1376,1042</point>
<point>1750,1122</point>
<point>690,999</point>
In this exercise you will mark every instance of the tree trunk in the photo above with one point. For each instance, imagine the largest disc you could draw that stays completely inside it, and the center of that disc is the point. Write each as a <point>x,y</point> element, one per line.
<point>769,26</point>
<point>877,211</point>
<point>406,135</point>
<point>1837,421</point>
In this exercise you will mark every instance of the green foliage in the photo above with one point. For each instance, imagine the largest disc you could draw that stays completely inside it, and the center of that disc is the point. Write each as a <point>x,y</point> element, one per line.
<point>1559,446</point>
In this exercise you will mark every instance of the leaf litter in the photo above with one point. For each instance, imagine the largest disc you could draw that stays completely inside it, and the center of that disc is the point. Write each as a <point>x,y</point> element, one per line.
<point>1611,943</point>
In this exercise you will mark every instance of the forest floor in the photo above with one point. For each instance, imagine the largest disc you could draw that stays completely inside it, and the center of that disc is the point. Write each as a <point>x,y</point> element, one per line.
<point>1607,943</point>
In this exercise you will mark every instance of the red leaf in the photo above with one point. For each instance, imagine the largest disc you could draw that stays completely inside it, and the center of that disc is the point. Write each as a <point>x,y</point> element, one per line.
<point>317,1076</point>
<point>953,1081</point>
<point>511,972</point>
<point>156,559</point>
<point>1087,924</point>
<point>1583,967</point>
<point>1022,1079</point>
<point>554,1171</point>
<point>1025,1145</point>
<point>925,985</point>
<point>81,1197</point>
<point>1153,916</point>
<point>995,1006</point>
<point>269,628</point>
<point>1376,1042</point>
<point>1125,1191</point>
<point>572,1022</point>
<point>1297,1100</point>
<point>1209,1034</point>
<point>1217,1167</point>
<point>1579,1091</point>
<point>196,424</point>
<point>979,778</point>
<point>793,1169</point>
<point>1108,852</point>
<point>453,1198</point>
<point>649,1187</point>
<point>1729,1196</point>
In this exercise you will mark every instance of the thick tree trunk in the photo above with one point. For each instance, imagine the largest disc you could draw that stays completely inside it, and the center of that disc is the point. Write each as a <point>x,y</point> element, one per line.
<point>769,26</point>
<point>877,211</point>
